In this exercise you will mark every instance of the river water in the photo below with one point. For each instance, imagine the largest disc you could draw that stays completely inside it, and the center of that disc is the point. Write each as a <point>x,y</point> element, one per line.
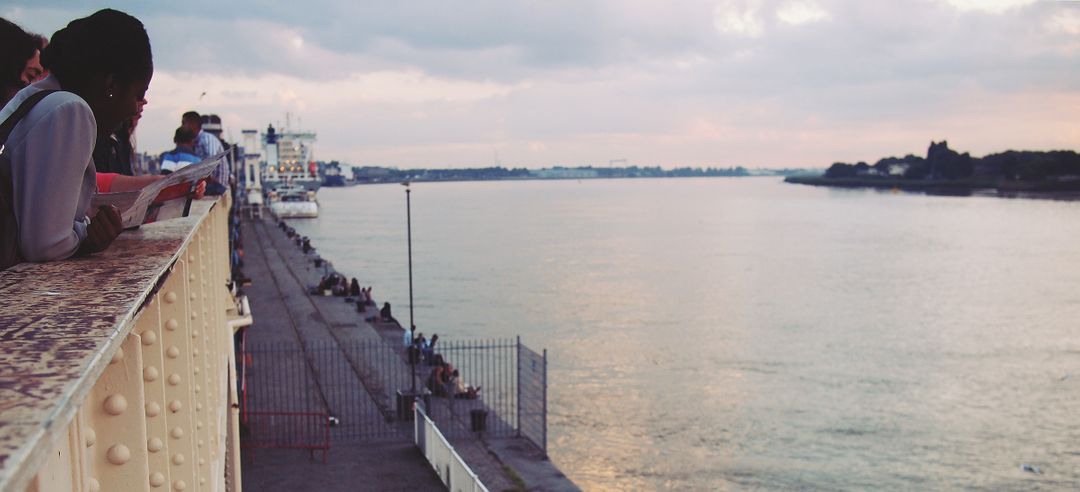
<point>734,333</point>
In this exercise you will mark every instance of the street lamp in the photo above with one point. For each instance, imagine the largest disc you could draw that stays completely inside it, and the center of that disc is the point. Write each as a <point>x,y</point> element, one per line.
<point>412,324</point>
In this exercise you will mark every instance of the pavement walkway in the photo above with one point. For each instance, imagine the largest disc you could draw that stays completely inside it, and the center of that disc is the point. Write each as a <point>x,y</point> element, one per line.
<point>285,313</point>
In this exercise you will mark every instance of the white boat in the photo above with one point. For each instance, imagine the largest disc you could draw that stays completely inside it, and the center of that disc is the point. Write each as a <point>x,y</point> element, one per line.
<point>293,202</point>
<point>289,176</point>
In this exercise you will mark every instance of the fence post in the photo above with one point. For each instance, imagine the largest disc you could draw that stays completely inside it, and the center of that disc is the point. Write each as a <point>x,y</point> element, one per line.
<point>518,370</point>
<point>545,400</point>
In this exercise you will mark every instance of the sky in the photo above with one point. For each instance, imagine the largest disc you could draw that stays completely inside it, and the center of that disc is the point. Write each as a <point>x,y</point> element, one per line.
<point>754,83</point>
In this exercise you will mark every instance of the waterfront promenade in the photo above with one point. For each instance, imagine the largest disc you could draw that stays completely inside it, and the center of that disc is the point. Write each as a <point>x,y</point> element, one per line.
<point>287,315</point>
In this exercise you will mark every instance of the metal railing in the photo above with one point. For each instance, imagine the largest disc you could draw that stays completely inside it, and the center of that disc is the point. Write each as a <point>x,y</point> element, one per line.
<point>116,370</point>
<point>286,430</point>
<point>452,470</point>
<point>356,382</point>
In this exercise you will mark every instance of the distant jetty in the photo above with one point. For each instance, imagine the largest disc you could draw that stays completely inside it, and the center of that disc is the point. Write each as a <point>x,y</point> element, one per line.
<point>946,171</point>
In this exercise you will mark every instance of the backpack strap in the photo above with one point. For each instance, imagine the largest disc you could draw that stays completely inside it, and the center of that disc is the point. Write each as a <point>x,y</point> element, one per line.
<point>9,225</point>
<point>20,112</point>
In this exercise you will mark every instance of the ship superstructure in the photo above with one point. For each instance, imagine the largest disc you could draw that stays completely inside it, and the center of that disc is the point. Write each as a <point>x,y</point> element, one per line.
<point>288,177</point>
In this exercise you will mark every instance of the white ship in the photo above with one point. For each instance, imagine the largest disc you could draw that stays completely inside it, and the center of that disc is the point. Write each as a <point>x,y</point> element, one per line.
<point>288,177</point>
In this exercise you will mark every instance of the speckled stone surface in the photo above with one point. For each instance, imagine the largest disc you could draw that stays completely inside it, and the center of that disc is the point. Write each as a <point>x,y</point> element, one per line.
<point>60,325</point>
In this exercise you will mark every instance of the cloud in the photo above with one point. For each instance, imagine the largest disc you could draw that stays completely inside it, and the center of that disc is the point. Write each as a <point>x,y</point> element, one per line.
<point>739,17</point>
<point>801,12</point>
<point>990,6</point>
<point>751,82</point>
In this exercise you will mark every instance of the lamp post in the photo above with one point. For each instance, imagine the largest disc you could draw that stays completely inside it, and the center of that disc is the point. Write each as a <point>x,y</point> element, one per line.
<point>412,324</point>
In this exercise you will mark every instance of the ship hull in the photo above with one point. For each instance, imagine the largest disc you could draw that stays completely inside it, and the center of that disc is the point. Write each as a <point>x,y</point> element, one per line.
<point>295,210</point>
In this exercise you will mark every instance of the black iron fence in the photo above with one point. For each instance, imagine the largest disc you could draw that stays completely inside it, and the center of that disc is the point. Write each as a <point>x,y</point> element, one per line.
<point>501,393</point>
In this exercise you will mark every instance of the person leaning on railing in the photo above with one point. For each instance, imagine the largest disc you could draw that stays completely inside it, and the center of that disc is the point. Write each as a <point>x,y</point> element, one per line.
<point>100,67</point>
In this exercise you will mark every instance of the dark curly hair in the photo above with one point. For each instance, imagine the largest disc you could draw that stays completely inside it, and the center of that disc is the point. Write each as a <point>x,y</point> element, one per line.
<point>18,46</point>
<point>107,42</point>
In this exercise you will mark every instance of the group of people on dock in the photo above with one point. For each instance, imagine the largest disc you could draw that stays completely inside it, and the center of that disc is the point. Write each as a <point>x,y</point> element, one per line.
<point>70,107</point>
<point>444,380</point>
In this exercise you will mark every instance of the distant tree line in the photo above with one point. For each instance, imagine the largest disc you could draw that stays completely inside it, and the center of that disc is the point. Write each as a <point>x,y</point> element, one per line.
<point>371,174</point>
<point>943,163</point>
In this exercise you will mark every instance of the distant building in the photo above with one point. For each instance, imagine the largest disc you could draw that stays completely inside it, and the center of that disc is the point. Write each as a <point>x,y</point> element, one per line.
<point>369,174</point>
<point>564,173</point>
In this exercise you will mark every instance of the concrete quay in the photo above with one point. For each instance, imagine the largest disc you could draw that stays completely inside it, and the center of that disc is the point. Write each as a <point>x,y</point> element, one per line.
<point>286,314</point>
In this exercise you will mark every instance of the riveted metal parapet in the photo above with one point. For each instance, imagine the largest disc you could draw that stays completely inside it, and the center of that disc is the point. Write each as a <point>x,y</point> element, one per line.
<point>115,369</point>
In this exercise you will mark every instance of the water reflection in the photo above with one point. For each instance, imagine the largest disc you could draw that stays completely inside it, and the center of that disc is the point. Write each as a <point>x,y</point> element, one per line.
<point>718,333</point>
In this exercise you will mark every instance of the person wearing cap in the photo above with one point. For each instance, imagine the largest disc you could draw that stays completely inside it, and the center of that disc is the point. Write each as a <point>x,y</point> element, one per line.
<point>181,156</point>
<point>207,145</point>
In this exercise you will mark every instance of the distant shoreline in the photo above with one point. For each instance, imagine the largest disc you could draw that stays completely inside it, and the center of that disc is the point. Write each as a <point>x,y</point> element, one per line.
<point>965,187</point>
<point>530,178</point>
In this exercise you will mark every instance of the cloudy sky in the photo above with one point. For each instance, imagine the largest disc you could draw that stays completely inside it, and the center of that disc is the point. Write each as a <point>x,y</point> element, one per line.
<point>758,83</point>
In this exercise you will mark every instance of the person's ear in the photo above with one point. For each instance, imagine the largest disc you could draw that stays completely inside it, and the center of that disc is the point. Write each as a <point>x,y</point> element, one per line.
<point>111,86</point>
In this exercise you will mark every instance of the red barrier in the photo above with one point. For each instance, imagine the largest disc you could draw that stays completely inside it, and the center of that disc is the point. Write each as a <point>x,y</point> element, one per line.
<point>287,430</point>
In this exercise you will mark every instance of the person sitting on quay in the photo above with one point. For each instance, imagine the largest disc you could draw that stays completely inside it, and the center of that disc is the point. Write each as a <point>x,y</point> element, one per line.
<point>452,377</point>
<point>386,317</point>
<point>182,155</point>
<point>463,391</point>
<point>342,287</point>
<point>101,66</point>
<point>368,300</point>
<point>435,381</point>
<point>429,349</point>
<point>355,291</point>
<point>413,353</point>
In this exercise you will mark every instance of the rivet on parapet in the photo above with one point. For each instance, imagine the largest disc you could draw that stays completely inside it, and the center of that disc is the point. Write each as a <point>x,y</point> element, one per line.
<point>178,459</point>
<point>202,480</point>
<point>118,454</point>
<point>194,352</point>
<point>191,258</point>
<point>198,407</point>
<point>170,297</point>
<point>194,315</point>
<point>149,337</point>
<point>172,352</point>
<point>154,445</point>
<point>150,373</point>
<point>200,443</point>
<point>196,370</point>
<point>92,485</point>
<point>174,379</point>
<point>115,404</point>
<point>118,356</point>
<point>177,433</point>
<point>91,436</point>
<point>175,406</point>
<point>157,479</point>
<point>202,462</point>
<point>198,388</point>
<point>172,324</point>
<point>153,409</point>
<point>194,333</point>
<point>193,296</point>
<point>179,485</point>
<point>198,425</point>
<point>191,277</point>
